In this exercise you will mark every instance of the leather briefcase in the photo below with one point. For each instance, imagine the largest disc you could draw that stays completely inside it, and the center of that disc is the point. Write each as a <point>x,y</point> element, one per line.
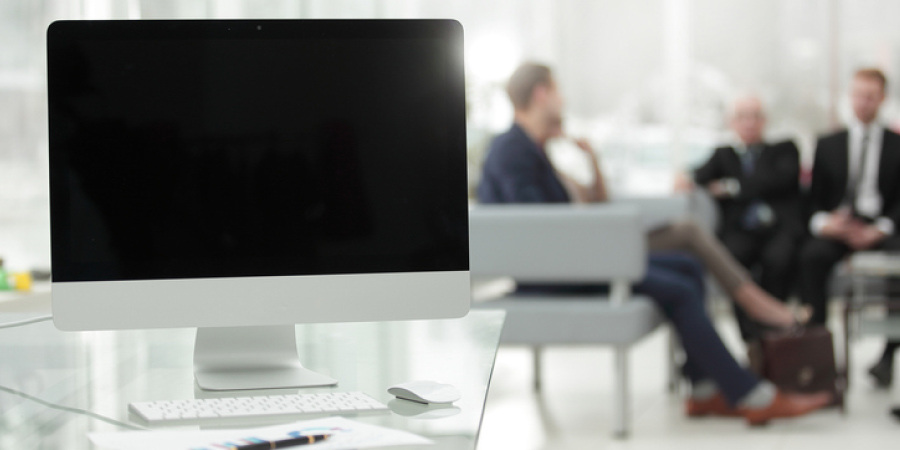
<point>802,361</point>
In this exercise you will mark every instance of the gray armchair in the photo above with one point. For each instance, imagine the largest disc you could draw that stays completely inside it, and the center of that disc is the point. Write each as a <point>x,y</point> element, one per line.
<point>602,244</point>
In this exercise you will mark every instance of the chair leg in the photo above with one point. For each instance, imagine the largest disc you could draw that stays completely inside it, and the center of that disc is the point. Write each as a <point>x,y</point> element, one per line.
<point>537,354</point>
<point>622,398</point>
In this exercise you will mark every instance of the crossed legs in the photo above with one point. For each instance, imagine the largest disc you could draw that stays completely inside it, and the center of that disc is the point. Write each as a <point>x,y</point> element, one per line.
<point>686,235</point>
<point>675,282</point>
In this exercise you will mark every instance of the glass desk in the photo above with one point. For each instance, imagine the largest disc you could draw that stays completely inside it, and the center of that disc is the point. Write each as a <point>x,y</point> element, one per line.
<point>102,372</point>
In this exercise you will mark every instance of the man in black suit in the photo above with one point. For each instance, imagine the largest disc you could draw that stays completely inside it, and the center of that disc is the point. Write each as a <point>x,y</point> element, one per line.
<point>756,186</point>
<point>854,199</point>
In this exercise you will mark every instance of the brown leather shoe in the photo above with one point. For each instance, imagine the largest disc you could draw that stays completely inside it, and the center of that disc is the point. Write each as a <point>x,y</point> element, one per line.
<point>714,406</point>
<point>787,405</point>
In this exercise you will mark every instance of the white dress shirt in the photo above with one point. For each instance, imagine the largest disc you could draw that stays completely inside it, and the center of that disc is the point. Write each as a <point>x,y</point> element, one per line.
<point>868,199</point>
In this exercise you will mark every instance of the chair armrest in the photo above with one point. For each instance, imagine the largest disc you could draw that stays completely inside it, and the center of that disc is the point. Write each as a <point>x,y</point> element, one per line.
<point>657,211</point>
<point>557,243</point>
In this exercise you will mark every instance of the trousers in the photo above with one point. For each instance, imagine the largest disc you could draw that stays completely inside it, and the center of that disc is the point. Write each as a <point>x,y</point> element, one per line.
<point>772,257</point>
<point>675,282</point>
<point>817,259</point>
<point>687,236</point>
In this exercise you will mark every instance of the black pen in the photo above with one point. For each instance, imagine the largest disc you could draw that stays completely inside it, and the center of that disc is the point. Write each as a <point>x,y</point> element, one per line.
<point>282,443</point>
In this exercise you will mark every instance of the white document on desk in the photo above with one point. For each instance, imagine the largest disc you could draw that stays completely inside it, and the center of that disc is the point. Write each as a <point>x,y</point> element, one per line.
<point>345,434</point>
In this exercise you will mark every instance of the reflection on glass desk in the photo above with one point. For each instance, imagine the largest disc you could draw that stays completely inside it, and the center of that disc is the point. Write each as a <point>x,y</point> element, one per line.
<point>101,372</point>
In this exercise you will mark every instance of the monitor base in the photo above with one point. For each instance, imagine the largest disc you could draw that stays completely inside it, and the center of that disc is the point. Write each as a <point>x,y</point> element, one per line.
<point>239,358</point>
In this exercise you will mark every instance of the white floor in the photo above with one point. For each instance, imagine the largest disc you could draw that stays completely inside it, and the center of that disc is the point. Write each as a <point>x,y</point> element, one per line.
<point>574,410</point>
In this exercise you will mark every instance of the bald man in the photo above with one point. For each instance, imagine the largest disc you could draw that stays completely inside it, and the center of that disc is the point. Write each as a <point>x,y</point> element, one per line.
<point>756,187</point>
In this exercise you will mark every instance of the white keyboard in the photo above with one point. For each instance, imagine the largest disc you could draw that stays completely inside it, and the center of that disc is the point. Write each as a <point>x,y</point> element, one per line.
<point>255,407</point>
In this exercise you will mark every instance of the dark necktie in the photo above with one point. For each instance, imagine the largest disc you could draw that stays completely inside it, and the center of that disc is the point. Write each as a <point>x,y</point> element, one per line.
<point>856,179</point>
<point>748,160</point>
<point>758,215</point>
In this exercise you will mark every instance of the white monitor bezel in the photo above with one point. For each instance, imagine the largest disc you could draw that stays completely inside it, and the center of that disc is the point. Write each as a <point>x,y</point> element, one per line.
<point>256,301</point>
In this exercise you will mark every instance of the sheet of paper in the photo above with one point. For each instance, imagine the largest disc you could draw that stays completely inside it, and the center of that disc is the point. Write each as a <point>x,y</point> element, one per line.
<point>345,434</point>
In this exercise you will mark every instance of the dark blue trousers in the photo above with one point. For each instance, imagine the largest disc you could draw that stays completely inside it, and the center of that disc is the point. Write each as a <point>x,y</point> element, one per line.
<point>675,281</point>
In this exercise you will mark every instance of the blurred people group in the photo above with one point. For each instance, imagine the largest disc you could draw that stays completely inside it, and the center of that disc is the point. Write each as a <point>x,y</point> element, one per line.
<point>774,238</point>
<point>792,238</point>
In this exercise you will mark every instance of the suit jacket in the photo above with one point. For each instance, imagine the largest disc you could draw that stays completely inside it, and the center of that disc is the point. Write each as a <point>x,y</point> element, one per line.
<point>829,175</point>
<point>775,180</point>
<point>516,170</point>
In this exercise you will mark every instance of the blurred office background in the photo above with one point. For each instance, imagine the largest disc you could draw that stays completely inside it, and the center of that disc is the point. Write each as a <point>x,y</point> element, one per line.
<point>647,81</point>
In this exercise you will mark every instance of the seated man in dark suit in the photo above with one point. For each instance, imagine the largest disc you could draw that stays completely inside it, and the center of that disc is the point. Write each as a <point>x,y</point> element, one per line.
<point>854,199</point>
<point>517,170</point>
<point>756,186</point>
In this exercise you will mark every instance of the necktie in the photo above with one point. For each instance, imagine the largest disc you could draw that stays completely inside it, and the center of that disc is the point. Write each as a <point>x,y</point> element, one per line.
<point>856,180</point>
<point>748,161</point>
<point>758,215</point>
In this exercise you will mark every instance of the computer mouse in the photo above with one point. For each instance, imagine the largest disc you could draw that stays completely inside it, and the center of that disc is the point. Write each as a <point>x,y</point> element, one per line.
<point>424,391</point>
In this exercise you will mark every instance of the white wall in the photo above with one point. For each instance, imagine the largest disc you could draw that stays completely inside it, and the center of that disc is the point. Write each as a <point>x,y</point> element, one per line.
<point>646,80</point>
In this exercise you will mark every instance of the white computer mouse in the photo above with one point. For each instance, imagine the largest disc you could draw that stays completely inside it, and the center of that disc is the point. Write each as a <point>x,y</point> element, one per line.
<point>424,391</point>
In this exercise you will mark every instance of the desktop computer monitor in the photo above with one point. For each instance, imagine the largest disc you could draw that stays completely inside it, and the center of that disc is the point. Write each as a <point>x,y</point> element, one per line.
<point>244,176</point>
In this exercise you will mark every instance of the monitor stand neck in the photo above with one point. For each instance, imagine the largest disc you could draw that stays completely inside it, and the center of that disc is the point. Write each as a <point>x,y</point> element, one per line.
<point>265,357</point>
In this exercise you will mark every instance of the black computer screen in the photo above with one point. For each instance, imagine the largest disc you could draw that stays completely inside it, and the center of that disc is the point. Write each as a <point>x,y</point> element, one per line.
<point>191,149</point>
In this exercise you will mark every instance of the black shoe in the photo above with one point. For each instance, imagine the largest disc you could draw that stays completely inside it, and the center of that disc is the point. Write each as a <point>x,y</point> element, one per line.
<point>883,372</point>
